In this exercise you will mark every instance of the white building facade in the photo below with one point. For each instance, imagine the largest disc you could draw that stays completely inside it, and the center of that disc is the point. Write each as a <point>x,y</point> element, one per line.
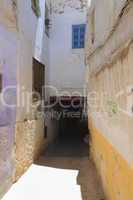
<point>66,68</point>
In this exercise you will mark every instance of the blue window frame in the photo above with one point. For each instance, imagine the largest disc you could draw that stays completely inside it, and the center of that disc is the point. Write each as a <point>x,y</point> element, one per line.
<point>78,36</point>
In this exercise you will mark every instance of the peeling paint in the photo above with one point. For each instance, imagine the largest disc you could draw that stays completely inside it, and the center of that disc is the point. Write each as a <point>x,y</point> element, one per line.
<point>60,5</point>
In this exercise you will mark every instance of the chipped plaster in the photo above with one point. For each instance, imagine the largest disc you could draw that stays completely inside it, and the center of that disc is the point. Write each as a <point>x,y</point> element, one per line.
<point>59,6</point>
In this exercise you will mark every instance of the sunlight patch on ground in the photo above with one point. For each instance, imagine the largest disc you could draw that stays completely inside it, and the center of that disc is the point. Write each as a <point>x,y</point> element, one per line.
<point>40,183</point>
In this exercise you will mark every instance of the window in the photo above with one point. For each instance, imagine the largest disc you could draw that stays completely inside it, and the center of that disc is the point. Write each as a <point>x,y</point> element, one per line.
<point>78,36</point>
<point>36,7</point>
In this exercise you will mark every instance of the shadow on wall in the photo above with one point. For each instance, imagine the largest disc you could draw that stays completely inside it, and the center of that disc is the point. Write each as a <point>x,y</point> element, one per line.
<point>72,138</point>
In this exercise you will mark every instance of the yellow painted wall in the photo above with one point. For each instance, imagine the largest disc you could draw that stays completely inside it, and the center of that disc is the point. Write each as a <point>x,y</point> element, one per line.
<point>110,97</point>
<point>116,174</point>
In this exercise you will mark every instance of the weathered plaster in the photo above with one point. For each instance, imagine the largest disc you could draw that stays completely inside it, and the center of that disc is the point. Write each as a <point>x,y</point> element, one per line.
<point>8,15</point>
<point>113,86</point>
<point>105,55</point>
<point>108,15</point>
<point>110,116</point>
<point>6,158</point>
<point>29,142</point>
<point>59,6</point>
<point>16,52</point>
<point>116,173</point>
<point>61,53</point>
<point>8,62</point>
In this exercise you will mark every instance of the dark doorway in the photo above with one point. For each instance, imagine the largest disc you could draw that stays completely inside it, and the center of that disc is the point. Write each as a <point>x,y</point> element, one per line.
<point>73,128</point>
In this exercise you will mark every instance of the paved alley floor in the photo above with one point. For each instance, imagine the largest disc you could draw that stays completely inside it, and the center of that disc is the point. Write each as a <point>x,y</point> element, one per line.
<point>68,147</point>
<point>58,178</point>
<point>63,172</point>
<point>86,179</point>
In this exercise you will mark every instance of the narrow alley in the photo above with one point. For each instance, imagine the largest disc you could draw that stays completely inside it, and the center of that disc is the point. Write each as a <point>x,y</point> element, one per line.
<point>40,181</point>
<point>66,99</point>
<point>57,176</point>
<point>64,169</point>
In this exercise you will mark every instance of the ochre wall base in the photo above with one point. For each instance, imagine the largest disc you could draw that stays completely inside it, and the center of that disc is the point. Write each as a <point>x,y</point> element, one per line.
<point>116,173</point>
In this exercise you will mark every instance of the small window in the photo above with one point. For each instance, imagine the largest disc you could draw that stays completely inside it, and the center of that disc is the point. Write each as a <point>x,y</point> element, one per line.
<point>78,36</point>
<point>36,7</point>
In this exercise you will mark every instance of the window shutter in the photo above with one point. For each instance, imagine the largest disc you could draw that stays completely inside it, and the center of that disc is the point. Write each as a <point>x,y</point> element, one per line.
<point>78,36</point>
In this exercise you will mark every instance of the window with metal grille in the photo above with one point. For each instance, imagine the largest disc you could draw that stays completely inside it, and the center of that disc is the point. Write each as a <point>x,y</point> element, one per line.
<point>78,36</point>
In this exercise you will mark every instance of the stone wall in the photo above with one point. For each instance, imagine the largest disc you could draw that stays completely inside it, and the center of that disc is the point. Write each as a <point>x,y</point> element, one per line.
<point>29,142</point>
<point>6,159</point>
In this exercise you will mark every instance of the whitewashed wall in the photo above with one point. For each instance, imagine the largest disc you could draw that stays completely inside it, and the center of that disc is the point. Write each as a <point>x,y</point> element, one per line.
<point>45,50</point>
<point>109,71</point>
<point>7,16</point>
<point>66,67</point>
<point>8,65</point>
<point>106,17</point>
<point>39,45</point>
<point>27,25</point>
